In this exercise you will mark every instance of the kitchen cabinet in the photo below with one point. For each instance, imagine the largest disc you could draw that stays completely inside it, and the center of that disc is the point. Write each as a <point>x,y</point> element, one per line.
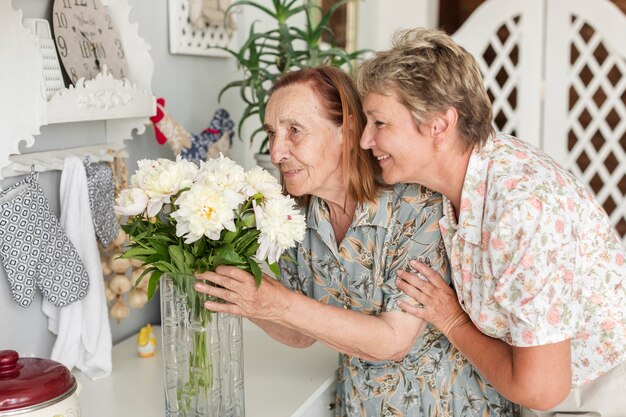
<point>279,381</point>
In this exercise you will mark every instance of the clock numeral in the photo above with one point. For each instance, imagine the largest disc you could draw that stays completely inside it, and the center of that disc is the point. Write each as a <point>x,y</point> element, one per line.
<point>95,6</point>
<point>80,3</point>
<point>62,45</point>
<point>99,51</point>
<point>86,49</point>
<point>73,75</point>
<point>67,4</point>
<point>120,50</point>
<point>109,22</point>
<point>61,19</point>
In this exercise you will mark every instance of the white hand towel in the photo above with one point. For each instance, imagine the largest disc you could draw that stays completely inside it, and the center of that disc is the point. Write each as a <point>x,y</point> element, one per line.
<point>84,334</point>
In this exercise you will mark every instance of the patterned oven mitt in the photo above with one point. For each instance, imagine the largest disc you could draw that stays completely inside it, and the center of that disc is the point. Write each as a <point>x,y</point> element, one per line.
<point>35,250</point>
<point>101,186</point>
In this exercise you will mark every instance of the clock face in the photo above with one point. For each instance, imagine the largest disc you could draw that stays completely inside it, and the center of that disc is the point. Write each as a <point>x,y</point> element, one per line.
<point>87,39</point>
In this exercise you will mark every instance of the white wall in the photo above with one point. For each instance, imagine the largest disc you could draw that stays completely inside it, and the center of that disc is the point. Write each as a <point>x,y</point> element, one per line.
<point>190,85</point>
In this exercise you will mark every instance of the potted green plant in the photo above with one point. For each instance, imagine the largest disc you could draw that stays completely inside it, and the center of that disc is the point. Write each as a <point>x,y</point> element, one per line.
<point>266,55</point>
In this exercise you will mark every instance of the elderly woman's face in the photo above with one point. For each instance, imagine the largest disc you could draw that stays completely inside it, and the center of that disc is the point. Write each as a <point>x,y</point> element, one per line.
<point>304,144</point>
<point>391,133</point>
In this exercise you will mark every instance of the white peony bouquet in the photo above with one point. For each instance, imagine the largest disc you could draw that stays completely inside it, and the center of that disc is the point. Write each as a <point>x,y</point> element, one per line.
<point>184,219</point>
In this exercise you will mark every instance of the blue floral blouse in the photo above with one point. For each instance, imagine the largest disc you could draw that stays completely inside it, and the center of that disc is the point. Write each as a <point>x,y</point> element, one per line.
<point>434,379</point>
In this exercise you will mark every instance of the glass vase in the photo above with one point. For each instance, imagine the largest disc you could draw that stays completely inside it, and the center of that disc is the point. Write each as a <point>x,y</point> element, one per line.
<point>202,352</point>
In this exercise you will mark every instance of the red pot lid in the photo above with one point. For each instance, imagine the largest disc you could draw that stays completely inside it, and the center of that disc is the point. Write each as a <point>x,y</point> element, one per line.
<point>25,382</point>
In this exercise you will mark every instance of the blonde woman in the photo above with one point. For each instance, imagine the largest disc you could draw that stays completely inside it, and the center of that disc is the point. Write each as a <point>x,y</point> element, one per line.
<point>538,270</point>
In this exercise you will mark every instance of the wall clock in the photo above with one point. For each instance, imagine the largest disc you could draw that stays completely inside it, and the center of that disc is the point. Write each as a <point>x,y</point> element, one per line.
<point>87,39</point>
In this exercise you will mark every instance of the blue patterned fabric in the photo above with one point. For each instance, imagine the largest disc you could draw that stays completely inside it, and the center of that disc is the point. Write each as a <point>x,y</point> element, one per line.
<point>221,123</point>
<point>359,274</point>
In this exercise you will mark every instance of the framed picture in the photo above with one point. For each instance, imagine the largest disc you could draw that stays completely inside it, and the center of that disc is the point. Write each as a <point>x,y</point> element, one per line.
<point>197,27</point>
<point>342,23</point>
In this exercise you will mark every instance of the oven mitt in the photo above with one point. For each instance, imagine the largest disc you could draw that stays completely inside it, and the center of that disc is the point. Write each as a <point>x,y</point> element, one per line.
<point>35,251</point>
<point>101,188</point>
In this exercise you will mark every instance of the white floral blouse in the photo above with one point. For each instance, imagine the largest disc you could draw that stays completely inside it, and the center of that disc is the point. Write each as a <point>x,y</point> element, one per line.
<point>535,259</point>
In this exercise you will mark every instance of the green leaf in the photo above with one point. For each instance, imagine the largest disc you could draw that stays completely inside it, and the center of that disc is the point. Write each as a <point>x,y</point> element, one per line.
<point>154,283</point>
<point>255,269</point>
<point>163,266</point>
<point>177,257</point>
<point>229,236</point>
<point>228,255</point>
<point>137,253</point>
<point>274,268</point>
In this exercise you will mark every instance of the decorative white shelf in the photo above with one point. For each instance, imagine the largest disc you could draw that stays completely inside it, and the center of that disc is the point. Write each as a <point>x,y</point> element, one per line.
<point>102,98</point>
<point>124,105</point>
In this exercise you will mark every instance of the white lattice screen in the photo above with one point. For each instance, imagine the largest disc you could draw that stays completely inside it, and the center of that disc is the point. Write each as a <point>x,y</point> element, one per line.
<point>579,60</point>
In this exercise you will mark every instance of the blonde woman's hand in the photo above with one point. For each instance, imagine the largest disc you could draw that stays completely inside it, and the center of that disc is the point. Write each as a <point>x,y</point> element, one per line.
<point>439,304</point>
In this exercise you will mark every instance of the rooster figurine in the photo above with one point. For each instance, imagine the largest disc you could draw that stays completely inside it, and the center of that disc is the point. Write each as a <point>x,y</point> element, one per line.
<point>146,342</point>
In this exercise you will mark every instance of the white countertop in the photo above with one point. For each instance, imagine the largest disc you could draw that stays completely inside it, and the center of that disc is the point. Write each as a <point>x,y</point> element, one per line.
<point>279,381</point>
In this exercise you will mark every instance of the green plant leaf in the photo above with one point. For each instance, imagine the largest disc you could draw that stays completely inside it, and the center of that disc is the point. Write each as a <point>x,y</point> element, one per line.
<point>228,255</point>
<point>255,269</point>
<point>138,252</point>
<point>154,283</point>
<point>177,257</point>
<point>274,268</point>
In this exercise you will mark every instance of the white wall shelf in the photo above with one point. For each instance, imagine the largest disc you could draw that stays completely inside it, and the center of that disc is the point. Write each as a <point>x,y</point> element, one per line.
<point>102,98</point>
<point>124,105</point>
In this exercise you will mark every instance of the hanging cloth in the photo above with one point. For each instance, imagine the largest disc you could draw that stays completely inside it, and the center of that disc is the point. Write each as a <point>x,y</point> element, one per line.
<point>83,331</point>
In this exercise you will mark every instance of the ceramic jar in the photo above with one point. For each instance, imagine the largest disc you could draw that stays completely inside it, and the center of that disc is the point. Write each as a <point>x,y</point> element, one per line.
<point>36,387</point>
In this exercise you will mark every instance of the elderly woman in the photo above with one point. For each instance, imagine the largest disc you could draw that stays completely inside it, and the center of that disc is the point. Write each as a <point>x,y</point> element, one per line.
<point>341,288</point>
<point>538,270</point>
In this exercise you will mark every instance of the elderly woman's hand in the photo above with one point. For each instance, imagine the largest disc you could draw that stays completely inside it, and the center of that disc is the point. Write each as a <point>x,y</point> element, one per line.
<point>439,303</point>
<point>240,293</point>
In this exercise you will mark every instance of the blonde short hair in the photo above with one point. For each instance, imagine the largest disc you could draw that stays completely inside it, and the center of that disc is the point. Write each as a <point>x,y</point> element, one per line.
<point>429,72</point>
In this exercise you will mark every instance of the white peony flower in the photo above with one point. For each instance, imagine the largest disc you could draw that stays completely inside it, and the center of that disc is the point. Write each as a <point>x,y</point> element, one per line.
<point>162,178</point>
<point>204,210</point>
<point>281,226</point>
<point>131,201</point>
<point>258,180</point>
<point>222,173</point>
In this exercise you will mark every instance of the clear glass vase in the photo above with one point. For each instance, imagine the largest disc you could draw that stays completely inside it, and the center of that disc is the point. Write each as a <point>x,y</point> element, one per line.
<point>203,354</point>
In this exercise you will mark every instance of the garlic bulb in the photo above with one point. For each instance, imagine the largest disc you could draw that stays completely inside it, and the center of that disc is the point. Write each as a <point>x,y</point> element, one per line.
<point>137,298</point>
<point>120,284</point>
<point>143,284</point>
<point>119,265</point>
<point>108,293</point>
<point>120,239</point>
<point>136,263</point>
<point>119,310</point>
<point>106,269</point>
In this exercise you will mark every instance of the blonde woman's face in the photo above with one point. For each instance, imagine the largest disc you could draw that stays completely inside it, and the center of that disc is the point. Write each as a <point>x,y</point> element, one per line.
<point>391,134</point>
<point>304,144</point>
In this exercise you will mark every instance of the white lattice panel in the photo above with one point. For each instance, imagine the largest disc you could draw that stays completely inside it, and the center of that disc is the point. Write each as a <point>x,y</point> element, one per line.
<point>504,38</point>
<point>585,115</point>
